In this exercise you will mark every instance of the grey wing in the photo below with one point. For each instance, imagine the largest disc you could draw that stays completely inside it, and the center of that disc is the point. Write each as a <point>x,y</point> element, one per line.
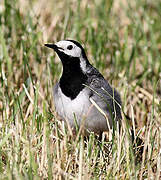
<point>106,97</point>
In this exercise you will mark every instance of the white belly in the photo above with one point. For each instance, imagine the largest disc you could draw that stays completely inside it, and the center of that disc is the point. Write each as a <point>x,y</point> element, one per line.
<point>80,109</point>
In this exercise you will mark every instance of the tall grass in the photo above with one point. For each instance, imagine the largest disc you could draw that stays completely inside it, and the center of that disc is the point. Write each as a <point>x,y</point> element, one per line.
<point>122,39</point>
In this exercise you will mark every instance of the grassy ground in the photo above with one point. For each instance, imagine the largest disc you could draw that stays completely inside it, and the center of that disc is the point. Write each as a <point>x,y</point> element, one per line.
<point>123,40</point>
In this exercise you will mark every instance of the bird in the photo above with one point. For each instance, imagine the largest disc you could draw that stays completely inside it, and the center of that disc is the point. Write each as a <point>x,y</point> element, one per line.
<point>83,95</point>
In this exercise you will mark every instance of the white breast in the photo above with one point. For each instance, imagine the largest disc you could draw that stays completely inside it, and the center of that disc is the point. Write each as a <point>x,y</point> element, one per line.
<point>79,108</point>
<point>68,108</point>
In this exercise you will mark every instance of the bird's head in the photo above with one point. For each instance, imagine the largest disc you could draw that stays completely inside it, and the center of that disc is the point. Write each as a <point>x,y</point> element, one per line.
<point>69,50</point>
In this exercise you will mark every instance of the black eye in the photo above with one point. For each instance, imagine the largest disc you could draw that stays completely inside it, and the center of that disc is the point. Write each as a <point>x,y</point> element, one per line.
<point>70,47</point>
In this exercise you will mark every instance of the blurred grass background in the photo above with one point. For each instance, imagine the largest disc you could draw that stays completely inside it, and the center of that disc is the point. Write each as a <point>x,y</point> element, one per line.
<point>123,40</point>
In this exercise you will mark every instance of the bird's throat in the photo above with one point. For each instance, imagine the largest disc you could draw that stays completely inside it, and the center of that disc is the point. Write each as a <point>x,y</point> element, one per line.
<point>73,78</point>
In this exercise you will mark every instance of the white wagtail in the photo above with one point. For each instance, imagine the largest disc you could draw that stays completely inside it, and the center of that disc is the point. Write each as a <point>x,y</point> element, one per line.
<point>82,93</point>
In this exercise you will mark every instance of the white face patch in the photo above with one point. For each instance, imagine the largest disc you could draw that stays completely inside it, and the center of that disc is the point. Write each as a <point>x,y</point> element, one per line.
<point>83,64</point>
<point>69,48</point>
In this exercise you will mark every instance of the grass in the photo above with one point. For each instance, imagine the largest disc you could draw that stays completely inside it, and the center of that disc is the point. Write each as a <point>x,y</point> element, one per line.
<point>122,39</point>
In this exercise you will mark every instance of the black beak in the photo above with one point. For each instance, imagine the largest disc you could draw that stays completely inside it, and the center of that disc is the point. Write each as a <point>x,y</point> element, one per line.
<point>53,46</point>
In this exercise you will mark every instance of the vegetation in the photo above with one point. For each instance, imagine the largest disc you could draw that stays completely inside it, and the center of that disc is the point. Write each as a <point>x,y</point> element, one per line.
<point>123,40</point>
